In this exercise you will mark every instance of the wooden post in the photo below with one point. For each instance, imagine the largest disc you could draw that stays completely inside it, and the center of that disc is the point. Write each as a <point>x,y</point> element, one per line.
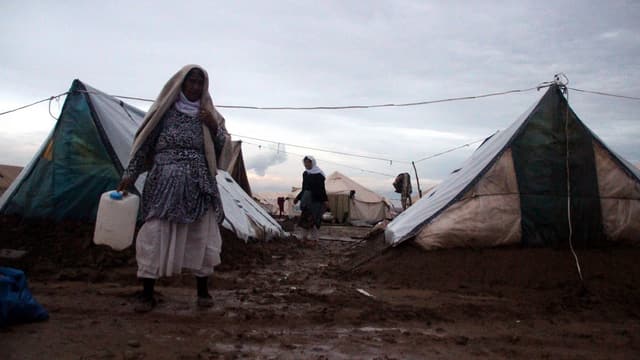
<point>417,179</point>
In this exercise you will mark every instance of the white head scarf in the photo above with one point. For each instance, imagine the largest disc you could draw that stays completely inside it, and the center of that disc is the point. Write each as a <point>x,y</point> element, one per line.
<point>168,96</point>
<point>187,106</point>
<point>314,166</point>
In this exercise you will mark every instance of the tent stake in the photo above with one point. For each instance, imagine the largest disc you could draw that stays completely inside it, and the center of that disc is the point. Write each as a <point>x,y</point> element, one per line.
<point>417,179</point>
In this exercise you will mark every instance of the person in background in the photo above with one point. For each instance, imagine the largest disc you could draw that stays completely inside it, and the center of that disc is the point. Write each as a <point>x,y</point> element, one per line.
<point>313,199</point>
<point>281,201</point>
<point>179,144</point>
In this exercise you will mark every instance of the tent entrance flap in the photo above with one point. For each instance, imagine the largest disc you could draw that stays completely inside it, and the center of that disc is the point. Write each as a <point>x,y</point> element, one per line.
<point>540,159</point>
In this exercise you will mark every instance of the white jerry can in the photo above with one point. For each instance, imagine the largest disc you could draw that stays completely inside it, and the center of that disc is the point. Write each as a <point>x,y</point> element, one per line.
<point>116,220</point>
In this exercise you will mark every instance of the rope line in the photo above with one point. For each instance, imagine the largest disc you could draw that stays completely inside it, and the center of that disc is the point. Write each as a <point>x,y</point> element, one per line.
<point>341,107</point>
<point>417,103</point>
<point>58,102</point>
<point>323,160</point>
<point>346,107</point>
<point>593,92</point>
<point>375,106</point>
<point>564,84</point>
<point>453,149</point>
<point>33,103</point>
<point>390,161</point>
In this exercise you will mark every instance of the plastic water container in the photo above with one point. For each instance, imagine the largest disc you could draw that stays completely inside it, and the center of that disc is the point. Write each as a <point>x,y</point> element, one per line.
<point>116,220</point>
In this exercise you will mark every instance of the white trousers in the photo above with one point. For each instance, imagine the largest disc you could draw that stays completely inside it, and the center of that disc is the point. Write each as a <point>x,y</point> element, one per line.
<point>164,248</point>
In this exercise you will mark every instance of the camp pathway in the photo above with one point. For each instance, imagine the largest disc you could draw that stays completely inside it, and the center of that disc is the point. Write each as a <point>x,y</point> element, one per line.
<point>293,302</point>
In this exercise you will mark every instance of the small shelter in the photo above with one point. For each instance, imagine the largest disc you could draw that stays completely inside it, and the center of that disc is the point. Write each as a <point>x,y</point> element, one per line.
<point>85,155</point>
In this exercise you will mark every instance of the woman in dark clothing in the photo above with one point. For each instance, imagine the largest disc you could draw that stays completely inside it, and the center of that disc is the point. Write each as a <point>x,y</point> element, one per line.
<point>313,199</point>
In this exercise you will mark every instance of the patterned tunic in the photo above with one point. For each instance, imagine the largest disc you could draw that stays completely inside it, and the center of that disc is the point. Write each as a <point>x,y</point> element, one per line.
<point>179,186</point>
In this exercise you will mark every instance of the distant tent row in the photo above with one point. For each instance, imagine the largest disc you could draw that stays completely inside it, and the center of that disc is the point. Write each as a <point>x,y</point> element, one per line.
<point>85,155</point>
<point>349,202</point>
<point>514,189</point>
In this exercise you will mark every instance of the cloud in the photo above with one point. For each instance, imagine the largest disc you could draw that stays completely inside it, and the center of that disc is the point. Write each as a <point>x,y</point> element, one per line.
<point>332,53</point>
<point>609,35</point>
<point>271,156</point>
<point>423,133</point>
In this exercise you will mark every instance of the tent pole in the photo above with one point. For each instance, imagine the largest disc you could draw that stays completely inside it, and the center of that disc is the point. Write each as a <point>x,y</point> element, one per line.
<point>417,179</point>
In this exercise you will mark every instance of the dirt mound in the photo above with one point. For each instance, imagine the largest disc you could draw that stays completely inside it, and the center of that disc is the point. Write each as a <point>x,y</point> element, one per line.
<point>55,247</point>
<point>609,274</point>
<point>236,254</point>
<point>66,251</point>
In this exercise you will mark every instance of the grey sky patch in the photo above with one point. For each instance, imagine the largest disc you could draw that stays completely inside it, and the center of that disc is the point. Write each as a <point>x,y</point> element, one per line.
<point>18,149</point>
<point>332,53</point>
<point>272,155</point>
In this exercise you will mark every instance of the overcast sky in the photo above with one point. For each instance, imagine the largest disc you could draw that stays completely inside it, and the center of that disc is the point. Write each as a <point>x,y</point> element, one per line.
<point>308,53</point>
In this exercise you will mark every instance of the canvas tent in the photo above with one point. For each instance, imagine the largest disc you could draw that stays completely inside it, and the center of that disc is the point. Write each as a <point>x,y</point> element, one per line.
<point>513,189</point>
<point>236,167</point>
<point>365,206</point>
<point>269,201</point>
<point>84,156</point>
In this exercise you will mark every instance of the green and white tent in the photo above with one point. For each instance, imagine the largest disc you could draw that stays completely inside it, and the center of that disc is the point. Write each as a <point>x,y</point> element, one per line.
<point>84,156</point>
<point>514,189</point>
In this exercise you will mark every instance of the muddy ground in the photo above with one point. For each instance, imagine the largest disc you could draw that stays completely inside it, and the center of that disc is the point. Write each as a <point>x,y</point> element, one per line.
<point>286,300</point>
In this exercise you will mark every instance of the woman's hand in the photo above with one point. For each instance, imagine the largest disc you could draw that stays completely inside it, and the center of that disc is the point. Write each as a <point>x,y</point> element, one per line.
<point>125,184</point>
<point>207,118</point>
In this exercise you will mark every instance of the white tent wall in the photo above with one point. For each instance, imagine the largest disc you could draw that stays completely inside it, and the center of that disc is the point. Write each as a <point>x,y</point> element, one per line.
<point>269,205</point>
<point>619,199</point>
<point>487,215</point>
<point>405,225</point>
<point>121,132</point>
<point>243,215</point>
<point>366,206</point>
<point>368,212</point>
<point>269,200</point>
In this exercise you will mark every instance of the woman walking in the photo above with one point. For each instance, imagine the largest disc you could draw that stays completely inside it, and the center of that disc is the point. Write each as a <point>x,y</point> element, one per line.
<point>179,144</point>
<point>313,199</point>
